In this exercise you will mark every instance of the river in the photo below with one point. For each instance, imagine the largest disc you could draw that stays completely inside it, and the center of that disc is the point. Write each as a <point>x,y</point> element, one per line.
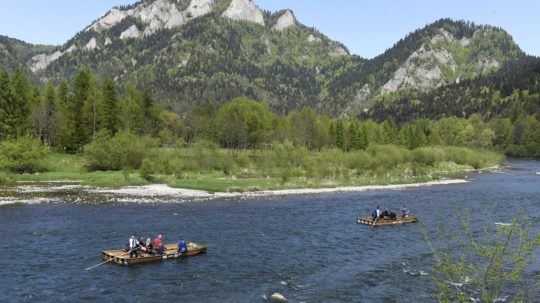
<point>308,247</point>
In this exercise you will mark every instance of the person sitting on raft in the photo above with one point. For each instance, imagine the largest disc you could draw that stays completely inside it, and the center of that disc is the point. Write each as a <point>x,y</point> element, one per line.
<point>404,212</point>
<point>158,245</point>
<point>149,246</point>
<point>142,245</point>
<point>182,247</point>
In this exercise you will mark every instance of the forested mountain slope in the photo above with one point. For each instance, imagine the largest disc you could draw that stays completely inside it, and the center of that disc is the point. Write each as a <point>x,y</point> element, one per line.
<point>193,52</point>
<point>15,53</point>
<point>513,91</point>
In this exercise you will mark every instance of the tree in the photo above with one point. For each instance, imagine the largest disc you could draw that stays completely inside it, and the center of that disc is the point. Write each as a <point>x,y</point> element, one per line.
<point>358,136</point>
<point>243,123</point>
<point>109,119</point>
<point>340,135</point>
<point>79,113</point>
<point>132,112</point>
<point>307,128</point>
<point>15,96</point>
<point>44,116</point>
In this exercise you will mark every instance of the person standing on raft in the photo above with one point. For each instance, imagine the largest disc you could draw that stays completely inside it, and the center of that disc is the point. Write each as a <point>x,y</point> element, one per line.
<point>133,247</point>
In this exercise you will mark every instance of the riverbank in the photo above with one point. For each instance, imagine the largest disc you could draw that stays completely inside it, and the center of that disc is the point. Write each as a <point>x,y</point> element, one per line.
<point>37,193</point>
<point>117,182</point>
<point>226,171</point>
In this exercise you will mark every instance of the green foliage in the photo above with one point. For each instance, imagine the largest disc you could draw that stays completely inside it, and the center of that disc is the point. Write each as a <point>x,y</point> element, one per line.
<point>243,123</point>
<point>22,155</point>
<point>486,268</point>
<point>15,100</point>
<point>109,119</point>
<point>122,151</point>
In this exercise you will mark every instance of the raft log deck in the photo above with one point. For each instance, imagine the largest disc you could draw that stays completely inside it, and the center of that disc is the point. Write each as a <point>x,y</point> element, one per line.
<point>122,257</point>
<point>387,221</point>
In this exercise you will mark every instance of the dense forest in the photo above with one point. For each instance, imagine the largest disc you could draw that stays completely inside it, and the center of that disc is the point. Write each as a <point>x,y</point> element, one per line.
<point>512,94</point>
<point>69,116</point>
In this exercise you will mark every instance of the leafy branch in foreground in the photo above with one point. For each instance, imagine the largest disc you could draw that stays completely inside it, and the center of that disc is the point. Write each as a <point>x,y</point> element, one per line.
<point>485,269</point>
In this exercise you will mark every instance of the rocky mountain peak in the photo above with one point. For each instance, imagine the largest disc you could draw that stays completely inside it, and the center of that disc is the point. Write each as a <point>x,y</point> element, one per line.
<point>285,20</point>
<point>244,10</point>
<point>447,51</point>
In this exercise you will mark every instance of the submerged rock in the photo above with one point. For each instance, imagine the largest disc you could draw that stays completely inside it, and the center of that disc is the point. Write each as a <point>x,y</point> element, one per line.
<point>278,298</point>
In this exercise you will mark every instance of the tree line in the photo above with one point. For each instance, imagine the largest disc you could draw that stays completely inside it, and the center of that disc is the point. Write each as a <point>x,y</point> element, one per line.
<point>72,114</point>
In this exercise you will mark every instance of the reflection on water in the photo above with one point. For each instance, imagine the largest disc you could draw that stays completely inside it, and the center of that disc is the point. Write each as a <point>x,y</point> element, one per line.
<point>306,247</point>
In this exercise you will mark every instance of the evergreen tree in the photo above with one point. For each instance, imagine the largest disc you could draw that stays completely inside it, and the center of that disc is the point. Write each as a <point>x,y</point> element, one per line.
<point>6,100</point>
<point>77,132</point>
<point>354,135</point>
<point>110,121</point>
<point>44,116</point>
<point>16,106</point>
<point>340,135</point>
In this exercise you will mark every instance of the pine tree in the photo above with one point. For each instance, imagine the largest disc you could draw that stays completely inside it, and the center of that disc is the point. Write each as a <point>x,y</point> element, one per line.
<point>354,135</point>
<point>76,131</point>
<point>151,118</point>
<point>110,121</point>
<point>49,105</point>
<point>20,106</point>
<point>340,135</point>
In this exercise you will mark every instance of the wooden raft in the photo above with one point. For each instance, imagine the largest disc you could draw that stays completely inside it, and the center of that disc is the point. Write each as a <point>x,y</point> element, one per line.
<point>121,257</point>
<point>387,221</point>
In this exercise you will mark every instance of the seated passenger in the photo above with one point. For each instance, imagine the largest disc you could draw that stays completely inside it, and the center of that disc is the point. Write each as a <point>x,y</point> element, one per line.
<point>385,213</point>
<point>404,212</point>
<point>392,215</point>
<point>182,247</point>
<point>158,245</point>
<point>142,245</point>
<point>149,246</point>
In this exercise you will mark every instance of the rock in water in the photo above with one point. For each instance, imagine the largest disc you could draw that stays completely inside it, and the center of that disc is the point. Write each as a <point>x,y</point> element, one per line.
<point>278,298</point>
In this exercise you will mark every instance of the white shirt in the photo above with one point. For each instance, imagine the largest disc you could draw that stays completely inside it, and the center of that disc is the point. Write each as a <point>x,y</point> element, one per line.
<point>132,243</point>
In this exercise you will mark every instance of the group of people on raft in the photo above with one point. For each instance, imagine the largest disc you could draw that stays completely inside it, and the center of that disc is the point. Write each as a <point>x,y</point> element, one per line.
<point>377,214</point>
<point>136,247</point>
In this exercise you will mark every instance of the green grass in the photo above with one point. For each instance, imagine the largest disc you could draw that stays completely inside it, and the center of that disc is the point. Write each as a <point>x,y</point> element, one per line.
<point>328,169</point>
<point>63,167</point>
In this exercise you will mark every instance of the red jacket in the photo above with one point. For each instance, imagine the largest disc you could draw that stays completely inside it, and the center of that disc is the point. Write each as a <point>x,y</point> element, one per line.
<point>157,243</point>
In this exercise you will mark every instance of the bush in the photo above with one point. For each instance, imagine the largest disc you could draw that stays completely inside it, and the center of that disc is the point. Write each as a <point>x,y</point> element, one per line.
<point>22,155</point>
<point>429,155</point>
<point>388,156</point>
<point>5,178</point>
<point>123,151</point>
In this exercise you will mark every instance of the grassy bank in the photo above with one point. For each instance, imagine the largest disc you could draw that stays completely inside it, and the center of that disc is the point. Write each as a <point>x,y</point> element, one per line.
<point>212,169</point>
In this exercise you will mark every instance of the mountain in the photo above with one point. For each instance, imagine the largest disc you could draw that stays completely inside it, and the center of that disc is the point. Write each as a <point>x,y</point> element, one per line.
<point>192,52</point>
<point>439,54</point>
<point>513,91</point>
<point>15,53</point>
<point>199,51</point>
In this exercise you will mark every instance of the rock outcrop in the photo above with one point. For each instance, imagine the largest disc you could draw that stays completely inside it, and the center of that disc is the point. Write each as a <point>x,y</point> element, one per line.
<point>437,63</point>
<point>244,10</point>
<point>286,20</point>
<point>131,33</point>
<point>92,44</point>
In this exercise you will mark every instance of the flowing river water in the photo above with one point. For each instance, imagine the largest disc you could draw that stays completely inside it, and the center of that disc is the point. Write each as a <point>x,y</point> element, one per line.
<point>307,247</point>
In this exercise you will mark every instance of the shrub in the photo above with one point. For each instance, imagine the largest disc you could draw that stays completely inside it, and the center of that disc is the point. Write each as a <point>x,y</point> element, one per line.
<point>388,156</point>
<point>123,151</point>
<point>22,155</point>
<point>5,178</point>
<point>429,155</point>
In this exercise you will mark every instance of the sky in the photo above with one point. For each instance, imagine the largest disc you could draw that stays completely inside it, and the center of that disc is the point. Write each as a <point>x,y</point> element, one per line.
<point>366,27</point>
